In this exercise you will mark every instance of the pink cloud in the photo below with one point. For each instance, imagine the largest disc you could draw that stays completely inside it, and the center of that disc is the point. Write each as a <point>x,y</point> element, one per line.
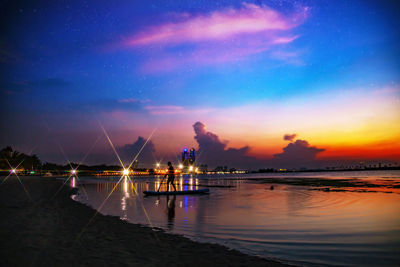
<point>219,25</point>
<point>388,90</point>
<point>165,110</point>
<point>284,40</point>
<point>176,110</point>
<point>200,56</point>
<point>218,54</point>
<point>289,57</point>
<point>219,37</point>
<point>133,100</point>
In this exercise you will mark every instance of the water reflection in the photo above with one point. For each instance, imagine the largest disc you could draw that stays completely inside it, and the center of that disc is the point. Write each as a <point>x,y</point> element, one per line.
<point>171,211</point>
<point>297,201</point>
<point>184,182</point>
<point>73,181</point>
<point>125,198</point>
<point>289,222</point>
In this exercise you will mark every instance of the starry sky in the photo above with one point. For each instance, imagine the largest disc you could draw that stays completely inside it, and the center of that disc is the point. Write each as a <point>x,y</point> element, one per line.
<point>247,83</point>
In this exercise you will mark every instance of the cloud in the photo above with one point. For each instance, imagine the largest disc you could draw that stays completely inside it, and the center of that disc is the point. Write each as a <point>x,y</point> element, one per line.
<point>289,137</point>
<point>214,152</point>
<point>176,110</point>
<point>289,57</point>
<point>390,90</point>
<point>146,157</point>
<point>220,25</point>
<point>297,154</point>
<point>109,105</point>
<point>165,110</point>
<point>218,37</point>
<point>210,54</point>
<point>133,100</point>
<point>138,105</point>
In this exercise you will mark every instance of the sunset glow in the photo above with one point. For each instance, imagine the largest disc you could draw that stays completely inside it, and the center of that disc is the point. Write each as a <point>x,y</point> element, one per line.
<point>252,72</point>
<point>213,132</point>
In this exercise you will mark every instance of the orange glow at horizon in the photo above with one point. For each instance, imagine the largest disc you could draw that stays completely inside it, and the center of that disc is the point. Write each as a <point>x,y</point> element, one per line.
<point>350,124</point>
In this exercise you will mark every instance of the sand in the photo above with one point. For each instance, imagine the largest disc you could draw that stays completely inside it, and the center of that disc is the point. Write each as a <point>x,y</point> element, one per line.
<point>53,230</point>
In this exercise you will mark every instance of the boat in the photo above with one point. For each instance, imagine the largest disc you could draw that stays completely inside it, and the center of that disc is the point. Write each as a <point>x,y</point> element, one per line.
<point>184,192</point>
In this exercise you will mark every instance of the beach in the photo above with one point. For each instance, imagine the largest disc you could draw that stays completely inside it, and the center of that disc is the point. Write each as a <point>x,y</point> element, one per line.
<point>42,228</point>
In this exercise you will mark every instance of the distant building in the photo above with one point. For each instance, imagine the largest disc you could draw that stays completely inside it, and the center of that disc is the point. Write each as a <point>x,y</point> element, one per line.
<point>188,157</point>
<point>188,160</point>
<point>185,155</point>
<point>192,156</point>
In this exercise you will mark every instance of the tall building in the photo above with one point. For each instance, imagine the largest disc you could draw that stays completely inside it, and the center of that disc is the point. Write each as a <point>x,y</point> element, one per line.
<point>188,157</point>
<point>192,156</point>
<point>185,155</point>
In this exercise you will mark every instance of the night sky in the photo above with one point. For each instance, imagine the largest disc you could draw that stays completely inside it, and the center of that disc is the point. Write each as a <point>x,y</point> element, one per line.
<point>250,84</point>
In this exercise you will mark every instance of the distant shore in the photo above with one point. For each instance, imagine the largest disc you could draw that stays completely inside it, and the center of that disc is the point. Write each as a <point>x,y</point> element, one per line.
<point>39,228</point>
<point>116,171</point>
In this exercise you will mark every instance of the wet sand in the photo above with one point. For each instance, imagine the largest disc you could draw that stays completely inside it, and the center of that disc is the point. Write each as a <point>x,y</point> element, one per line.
<point>338,185</point>
<point>46,230</point>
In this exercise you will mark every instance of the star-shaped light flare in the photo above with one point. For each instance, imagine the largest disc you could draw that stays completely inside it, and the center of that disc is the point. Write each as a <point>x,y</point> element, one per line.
<point>74,171</point>
<point>125,175</point>
<point>14,171</point>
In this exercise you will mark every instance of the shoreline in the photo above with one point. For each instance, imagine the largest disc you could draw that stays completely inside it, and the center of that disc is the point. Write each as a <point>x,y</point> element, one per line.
<point>90,173</point>
<point>46,229</point>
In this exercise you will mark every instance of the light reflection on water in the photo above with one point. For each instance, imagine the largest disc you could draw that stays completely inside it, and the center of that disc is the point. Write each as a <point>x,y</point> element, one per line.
<point>73,182</point>
<point>289,222</point>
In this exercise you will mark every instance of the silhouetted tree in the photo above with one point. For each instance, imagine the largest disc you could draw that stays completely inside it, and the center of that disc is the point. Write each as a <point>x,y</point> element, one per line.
<point>8,157</point>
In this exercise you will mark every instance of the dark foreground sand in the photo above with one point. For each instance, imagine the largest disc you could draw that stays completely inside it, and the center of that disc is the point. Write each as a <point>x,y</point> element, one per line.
<point>44,231</point>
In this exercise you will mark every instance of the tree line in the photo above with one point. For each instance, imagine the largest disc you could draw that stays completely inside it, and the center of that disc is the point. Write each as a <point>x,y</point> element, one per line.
<point>12,159</point>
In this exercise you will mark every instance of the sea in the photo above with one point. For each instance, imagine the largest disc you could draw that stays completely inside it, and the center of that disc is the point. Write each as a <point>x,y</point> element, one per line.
<point>260,214</point>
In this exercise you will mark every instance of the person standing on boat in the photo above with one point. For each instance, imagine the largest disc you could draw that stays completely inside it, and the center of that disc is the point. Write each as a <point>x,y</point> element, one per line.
<point>171,176</point>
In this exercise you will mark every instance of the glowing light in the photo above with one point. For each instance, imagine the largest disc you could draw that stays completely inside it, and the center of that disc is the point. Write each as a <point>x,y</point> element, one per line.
<point>73,171</point>
<point>13,171</point>
<point>191,168</point>
<point>191,184</point>
<point>158,165</point>
<point>126,191</point>
<point>73,182</point>
<point>125,172</point>
<point>180,166</point>
<point>197,169</point>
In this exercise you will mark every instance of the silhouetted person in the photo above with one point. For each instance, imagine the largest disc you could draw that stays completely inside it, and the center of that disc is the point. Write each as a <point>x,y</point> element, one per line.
<point>171,176</point>
<point>171,210</point>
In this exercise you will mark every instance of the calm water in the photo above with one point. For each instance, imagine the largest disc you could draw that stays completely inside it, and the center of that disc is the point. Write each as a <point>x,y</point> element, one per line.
<point>291,223</point>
